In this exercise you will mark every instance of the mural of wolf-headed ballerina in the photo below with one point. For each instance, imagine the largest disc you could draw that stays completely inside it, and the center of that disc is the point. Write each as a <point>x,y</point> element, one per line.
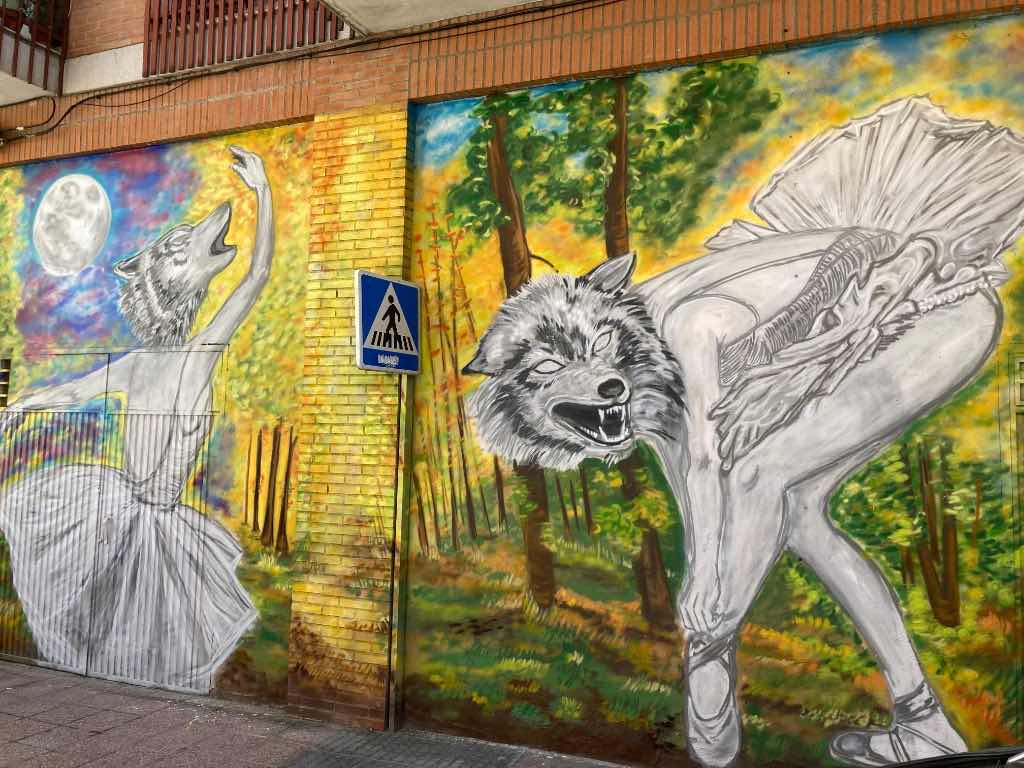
<point>111,568</point>
<point>767,372</point>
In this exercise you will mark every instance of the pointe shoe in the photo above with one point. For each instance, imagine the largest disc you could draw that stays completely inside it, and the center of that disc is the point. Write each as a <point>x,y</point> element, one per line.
<point>714,737</point>
<point>919,729</point>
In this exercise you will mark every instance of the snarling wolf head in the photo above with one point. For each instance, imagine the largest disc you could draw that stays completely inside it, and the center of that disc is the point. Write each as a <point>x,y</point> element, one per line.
<point>574,369</point>
<point>165,283</point>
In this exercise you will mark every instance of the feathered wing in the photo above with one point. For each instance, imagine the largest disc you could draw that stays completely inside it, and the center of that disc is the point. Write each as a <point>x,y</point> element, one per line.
<point>907,170</point>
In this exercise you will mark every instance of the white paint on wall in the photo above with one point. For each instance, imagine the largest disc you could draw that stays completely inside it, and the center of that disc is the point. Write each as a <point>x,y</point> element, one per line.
<point>103,69</point>
<point>14,90</point>
<point>382,15</point>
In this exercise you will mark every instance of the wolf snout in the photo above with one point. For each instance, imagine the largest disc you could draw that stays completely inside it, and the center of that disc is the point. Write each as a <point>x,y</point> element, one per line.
<point>612,388</point>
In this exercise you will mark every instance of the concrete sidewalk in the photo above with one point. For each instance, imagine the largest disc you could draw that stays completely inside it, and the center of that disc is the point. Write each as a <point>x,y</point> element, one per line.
<point>52,719</point>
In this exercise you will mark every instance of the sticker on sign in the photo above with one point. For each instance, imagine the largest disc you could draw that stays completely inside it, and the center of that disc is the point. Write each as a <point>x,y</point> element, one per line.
<point>387,324</point>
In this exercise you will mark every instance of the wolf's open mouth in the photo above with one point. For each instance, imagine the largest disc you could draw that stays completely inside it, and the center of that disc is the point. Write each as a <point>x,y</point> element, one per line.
<point>607,424</point>
<point>219,247</point>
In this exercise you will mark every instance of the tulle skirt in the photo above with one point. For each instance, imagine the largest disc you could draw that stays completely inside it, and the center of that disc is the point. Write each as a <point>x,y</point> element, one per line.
<point>116,587</point>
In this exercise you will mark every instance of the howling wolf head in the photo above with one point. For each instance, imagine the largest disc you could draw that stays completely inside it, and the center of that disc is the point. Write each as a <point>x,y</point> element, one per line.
<point>165,284</point>
<point>574,369</point>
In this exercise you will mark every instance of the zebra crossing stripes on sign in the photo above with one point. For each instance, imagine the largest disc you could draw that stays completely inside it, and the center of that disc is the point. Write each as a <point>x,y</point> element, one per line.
<point>388,320</point>
<point>390,331</point>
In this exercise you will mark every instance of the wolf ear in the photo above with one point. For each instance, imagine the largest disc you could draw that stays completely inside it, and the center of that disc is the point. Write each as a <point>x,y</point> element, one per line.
<point>613,275</point>
<point>129,267</point>
<point>479,364</point>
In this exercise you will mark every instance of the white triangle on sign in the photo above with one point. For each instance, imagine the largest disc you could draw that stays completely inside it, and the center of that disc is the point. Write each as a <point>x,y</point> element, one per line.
<point>390,331</point>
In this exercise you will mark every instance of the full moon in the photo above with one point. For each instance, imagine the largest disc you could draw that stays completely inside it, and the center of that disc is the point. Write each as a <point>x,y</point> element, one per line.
<point>71,224</point>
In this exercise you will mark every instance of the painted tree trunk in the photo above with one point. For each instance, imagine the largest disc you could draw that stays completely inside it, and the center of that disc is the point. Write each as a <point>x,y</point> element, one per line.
<point>940,564</point>
<point>575,506</point>
<point>256,484</point>
<point>515,253</point>
<point>649,567</point>
<point>435,443</point>
<point>616,219</point>
<point>499,487</point>
<point>248,482</point>
<point>281,542</point>
<point>516,268</point>
<point>652,581</point>
<point>460,417</point>
<point>267,536</point>
<point>540,562</point>
<point>566,524</point>
<point>585,498</point>
<point>421,516</point>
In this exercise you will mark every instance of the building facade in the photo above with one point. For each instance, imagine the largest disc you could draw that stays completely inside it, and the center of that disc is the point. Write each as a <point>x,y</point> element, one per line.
<point>715,447</point>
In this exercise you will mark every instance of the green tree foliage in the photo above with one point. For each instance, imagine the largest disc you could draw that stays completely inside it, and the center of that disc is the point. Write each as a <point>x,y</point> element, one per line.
<point>560,156</point>
<point>529,151</point>
<point>674,154</point>
<point>581,161</point>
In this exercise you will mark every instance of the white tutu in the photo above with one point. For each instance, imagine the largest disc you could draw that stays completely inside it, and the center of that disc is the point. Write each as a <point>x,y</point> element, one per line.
<point>121,588</point>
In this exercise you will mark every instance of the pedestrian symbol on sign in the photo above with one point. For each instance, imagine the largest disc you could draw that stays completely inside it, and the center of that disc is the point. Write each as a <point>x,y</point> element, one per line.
<point>387,324</point>
<point>390,331</point>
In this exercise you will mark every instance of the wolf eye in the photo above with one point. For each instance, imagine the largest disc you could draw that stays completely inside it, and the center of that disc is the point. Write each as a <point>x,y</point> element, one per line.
<point>602,342</point>
<point>548,366</point>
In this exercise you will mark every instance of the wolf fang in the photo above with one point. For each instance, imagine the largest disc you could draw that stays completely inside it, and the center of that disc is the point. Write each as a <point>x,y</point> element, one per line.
<point>565,355</point>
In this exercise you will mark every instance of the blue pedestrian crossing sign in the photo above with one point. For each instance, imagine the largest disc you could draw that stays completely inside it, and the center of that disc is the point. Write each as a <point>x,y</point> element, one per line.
<point>387,324</point>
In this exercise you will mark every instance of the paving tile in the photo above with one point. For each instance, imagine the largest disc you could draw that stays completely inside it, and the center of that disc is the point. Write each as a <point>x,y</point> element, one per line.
<point>51,719</point>
<point>20,755</point>
<point>24,706</point>
<point>104,720</point>
<point>108,700</point>
<point>314,734</point>
<point>94,746</point>
<point>63,715</point>
<point>20,728</point>
<point>142,706</point>
<point>62,759</point>
<point>59,737</point>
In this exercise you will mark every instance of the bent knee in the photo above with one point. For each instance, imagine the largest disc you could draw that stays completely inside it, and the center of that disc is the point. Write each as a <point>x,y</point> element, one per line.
<point>809,529</point>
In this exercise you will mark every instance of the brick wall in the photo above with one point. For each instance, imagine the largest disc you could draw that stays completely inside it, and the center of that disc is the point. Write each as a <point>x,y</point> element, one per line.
<point>100,25</point>
<point>347,491</point>
<point>549,44</point>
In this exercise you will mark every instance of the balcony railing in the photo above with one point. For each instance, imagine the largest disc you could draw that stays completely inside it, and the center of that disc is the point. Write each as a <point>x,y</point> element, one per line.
<point>185,34</point>
<point>32,41</point>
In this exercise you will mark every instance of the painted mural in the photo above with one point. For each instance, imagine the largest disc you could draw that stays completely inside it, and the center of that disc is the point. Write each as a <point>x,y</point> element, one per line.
<point>715,454</point>
<point>152,309</point>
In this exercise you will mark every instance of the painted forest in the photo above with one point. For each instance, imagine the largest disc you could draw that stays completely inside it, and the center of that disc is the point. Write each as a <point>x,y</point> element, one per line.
<point>542,603</point>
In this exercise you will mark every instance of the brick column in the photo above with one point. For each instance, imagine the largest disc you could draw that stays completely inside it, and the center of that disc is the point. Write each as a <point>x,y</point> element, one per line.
<point>338,648</point>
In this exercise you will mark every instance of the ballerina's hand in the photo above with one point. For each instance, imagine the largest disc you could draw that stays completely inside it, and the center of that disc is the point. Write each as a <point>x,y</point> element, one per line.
<point>249,167</point>
<point>700,610</point>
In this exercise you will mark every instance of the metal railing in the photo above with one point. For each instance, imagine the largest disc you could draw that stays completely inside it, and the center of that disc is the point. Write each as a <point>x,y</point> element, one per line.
<point>33,41</point>
<point>186,34</point>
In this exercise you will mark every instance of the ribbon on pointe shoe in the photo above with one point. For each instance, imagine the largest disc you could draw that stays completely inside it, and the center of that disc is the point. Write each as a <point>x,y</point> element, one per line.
<point>854,747</point>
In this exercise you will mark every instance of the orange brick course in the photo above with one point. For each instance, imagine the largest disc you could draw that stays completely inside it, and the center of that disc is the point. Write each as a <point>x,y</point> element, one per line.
<point>547,44</point>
